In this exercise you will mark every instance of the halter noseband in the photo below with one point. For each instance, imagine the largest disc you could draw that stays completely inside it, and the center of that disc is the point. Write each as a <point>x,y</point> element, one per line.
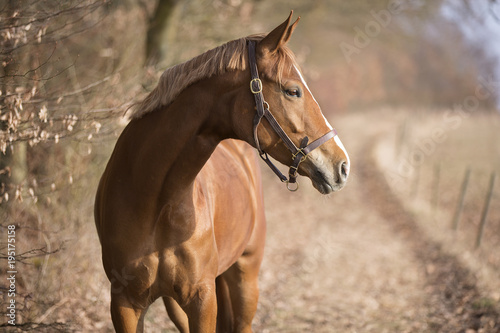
<point>299,154</point>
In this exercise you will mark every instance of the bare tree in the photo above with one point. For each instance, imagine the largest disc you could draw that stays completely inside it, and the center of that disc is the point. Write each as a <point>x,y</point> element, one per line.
<point>48,105</point>
<point>158,24</point>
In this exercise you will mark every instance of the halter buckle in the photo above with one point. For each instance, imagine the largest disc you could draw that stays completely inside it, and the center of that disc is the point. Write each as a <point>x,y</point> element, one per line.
<point>259,86</point>
<point>300,151</point>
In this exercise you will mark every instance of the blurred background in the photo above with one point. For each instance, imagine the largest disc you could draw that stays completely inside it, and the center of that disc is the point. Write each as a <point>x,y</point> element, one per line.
<point>414,84</point>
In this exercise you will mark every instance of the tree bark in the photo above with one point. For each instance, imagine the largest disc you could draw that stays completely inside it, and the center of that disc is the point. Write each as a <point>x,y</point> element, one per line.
<point>158,24</point>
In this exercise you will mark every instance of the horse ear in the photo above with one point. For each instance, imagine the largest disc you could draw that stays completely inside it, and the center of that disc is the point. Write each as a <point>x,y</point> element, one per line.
<point>278,37</point>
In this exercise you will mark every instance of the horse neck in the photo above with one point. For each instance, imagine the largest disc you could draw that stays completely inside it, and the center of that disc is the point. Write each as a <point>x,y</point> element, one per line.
<point>183,136</point>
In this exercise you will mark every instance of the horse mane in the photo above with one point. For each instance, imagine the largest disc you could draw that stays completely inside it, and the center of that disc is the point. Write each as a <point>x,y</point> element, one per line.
<point>227,57</point>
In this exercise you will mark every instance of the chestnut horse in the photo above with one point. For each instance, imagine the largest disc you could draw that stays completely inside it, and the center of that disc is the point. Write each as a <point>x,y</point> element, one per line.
<point>179,208</point>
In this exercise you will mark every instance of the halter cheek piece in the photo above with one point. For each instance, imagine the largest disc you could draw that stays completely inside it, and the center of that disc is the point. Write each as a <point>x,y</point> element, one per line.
<point>298,154</point>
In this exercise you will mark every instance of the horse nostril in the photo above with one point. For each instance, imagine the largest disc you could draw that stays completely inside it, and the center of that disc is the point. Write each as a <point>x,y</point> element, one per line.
<point>344,171</point>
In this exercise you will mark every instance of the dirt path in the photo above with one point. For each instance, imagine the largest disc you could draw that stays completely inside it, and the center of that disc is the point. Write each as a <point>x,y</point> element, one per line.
<point>356,261</point>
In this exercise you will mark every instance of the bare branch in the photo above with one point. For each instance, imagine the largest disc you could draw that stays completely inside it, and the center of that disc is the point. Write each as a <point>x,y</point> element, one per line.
<point>32,253</point>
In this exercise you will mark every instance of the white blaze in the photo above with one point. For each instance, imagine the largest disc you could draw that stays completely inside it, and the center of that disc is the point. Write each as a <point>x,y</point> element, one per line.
<point>341,146</point>
<point>337,139</point>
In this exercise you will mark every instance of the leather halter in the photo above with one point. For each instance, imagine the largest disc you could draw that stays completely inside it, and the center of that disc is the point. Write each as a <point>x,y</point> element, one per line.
<point>299,154</point>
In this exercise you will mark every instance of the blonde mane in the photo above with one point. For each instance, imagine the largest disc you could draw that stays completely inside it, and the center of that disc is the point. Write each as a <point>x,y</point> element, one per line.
<point>227,57</point>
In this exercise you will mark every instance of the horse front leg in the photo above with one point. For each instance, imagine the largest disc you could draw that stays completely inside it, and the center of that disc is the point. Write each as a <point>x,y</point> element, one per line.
<point>201,308</point>
<point>188,275</point>
<point>242,279</point>
<point>176,314</point>
<point>125,317</point>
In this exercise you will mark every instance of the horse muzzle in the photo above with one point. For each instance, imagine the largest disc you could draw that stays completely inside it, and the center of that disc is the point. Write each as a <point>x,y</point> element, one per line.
<point>326,176</point>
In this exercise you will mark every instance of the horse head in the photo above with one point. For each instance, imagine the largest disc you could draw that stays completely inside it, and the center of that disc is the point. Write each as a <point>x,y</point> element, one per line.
<point>315,150</point>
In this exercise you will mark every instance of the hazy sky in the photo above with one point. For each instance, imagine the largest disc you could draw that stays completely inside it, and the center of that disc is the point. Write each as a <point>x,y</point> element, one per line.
<point>479,22</point>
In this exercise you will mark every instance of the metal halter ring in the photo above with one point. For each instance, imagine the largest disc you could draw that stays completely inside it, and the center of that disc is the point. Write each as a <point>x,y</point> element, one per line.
<point>266,105</point>
<point>292,189</point>
<point>259,83</point>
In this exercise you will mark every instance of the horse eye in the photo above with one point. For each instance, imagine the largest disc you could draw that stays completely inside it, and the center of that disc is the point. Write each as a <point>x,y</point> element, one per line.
<point>293,92</point>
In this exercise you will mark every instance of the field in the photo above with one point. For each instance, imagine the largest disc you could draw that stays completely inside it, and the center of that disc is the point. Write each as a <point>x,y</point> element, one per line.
<point>370,258</point>
<point>375,257</point>
<point>397,250</point>
<point>433,189</point>
<point>366,260</point>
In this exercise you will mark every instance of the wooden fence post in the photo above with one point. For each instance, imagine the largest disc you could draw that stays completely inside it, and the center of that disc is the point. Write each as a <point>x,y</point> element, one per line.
<point>401,137</point>
<point>416,181</point>
<point>460,206</point>
<point>435,188</point>
<point>484,215</point>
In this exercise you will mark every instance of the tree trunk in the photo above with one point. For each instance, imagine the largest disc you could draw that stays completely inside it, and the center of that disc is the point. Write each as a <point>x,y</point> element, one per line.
<point>155,48</point>
<point>13,164</point>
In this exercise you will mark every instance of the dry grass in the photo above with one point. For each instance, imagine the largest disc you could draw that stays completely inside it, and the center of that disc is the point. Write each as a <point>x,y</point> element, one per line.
<point>474,145</point>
